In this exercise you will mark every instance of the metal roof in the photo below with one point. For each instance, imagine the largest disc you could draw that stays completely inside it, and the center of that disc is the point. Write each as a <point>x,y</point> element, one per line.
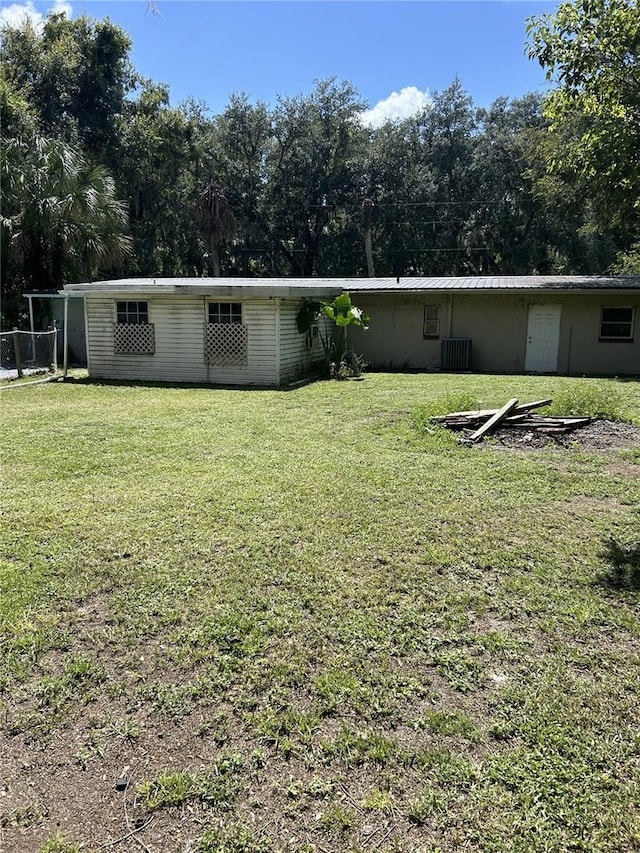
<point>501,282</point>
<point>219,287</point>
<point>322,287</point>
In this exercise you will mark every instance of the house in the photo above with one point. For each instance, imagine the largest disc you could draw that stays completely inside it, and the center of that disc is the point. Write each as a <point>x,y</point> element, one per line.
<point>203,330</point>
<point>243,331</point>
<point>502,324</point>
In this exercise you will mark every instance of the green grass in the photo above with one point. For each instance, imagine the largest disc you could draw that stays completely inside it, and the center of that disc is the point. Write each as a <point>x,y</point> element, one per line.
<point>307,625</point>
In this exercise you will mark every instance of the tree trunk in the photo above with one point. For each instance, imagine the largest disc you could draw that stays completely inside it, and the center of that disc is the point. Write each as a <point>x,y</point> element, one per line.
<point>215,260</point>
<point>367,210</point>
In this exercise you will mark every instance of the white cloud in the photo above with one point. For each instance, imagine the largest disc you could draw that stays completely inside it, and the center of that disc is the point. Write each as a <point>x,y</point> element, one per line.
<point>15,14</point>
<point>398,105</point>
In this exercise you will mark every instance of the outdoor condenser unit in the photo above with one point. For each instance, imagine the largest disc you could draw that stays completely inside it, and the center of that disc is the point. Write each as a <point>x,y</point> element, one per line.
<point>455,354</point>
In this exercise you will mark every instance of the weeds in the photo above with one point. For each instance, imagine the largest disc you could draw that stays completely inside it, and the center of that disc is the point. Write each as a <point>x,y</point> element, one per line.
<point>592,398</point>
<point>57,844</point>
<point>448,723</point>
<point>218,785</point>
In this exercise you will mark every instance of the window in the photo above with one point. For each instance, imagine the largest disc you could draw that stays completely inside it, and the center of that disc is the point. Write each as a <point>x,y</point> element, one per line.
<point>225,335</point>
<point>616,324</point>
<point>431,321</point>
<point>132,331</point>
<point>135,313</point>
<point>225,312</point>
<point>311,337</point>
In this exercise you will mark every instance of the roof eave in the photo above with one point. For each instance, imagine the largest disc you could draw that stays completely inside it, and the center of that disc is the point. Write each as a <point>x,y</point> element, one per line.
<point>631,291</point>
<point>227,290</point>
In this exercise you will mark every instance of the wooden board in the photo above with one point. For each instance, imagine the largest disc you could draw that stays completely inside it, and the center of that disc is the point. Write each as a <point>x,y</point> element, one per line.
<point>493,421</point>
<point>479,414</point>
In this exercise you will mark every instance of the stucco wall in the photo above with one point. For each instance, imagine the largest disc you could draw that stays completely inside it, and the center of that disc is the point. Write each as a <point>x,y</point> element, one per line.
<point>497,325</point>
<point>395,338</point>
<point>580,349</point>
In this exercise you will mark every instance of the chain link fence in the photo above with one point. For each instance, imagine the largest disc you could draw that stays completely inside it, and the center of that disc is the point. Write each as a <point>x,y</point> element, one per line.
<point>22,353</point>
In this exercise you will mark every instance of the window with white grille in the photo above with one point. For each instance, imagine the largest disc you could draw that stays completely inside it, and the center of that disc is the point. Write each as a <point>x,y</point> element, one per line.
<point>225,336</point>
<point>132,331</point>
<point>132,313</point>
<point>225,313</point>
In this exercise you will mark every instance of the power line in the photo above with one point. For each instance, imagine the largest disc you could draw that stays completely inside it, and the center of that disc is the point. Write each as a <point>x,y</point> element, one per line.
<point>378,205</point>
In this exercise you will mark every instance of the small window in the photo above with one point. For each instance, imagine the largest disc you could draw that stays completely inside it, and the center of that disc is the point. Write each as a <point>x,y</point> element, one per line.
<point>431,321</point>
<point>132,313</point>
<point>311,337</point>
<point>616,324</point>
<point>225,312</point>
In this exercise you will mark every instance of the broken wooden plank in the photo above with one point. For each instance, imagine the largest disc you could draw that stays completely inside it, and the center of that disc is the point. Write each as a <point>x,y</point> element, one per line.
<point>477,414</point>
<point>537,404</point>
<point>480,414</point>
<point>573,423</point>
<point>545,426</point>
<point>495,419</point>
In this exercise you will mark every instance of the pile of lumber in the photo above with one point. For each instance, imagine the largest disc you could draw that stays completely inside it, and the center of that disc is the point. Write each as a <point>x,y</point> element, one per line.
<point>512,415</point>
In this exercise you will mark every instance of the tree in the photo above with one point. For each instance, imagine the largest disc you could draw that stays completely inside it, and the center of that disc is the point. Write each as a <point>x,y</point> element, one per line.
<point>239,141</point>
<point>160,171</point>
<point>506,220</point>
<point>75,75</point>
<point>397,181</point>
<point>367,213</point>
<point>61,219</point>
<point>217,220</point>
<point>591,49</point>
<point>526,220</point>
<point>341,313</point>
<point>312,172</point>
<point>448,136</point>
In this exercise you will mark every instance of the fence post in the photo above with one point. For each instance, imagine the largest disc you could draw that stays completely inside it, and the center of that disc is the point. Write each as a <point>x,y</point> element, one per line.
<point>53,349</point>
<point>16,348</point>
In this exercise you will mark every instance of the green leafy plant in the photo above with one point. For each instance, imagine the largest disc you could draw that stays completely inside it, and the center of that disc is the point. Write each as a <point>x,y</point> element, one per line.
<point>589,398</point>
<point>338,819</point>
<point>216,785</point>
<point>448,723</point>
<point>341,363</point>
<point>57,844</point>
<point>233,839</point>
<point>421,417</point>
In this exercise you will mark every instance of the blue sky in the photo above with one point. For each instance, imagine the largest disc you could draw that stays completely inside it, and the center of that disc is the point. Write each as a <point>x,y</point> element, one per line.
<point>208,49</point>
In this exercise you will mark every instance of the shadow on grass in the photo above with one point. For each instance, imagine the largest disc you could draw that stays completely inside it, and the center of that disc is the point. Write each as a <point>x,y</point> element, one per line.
<point>624,566</point>
<point>211,386</point>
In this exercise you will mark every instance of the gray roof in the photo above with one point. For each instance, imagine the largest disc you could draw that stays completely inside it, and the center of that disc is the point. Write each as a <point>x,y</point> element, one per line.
<point>323,287</point>
<point>500,282</point>
<point>219,287</point>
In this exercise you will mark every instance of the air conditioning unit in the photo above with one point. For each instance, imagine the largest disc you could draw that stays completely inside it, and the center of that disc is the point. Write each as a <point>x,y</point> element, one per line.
<point>455,354</point>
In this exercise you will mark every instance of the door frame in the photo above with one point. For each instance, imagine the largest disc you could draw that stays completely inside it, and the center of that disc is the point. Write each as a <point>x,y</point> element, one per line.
<point>556,309</point>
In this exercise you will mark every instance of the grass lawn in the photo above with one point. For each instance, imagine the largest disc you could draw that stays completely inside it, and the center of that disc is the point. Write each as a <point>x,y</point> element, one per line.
<point>255,621</point>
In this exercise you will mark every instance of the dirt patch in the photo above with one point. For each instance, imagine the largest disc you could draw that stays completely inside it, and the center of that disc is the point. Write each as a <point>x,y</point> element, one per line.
<point>598,436</point>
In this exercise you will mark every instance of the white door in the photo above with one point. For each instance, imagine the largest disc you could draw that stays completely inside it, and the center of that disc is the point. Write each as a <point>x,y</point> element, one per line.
<point>543,338</point>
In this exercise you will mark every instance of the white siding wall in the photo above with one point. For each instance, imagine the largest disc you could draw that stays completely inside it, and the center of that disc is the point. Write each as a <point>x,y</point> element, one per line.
<point>179,355</point>
<point>296,361</point>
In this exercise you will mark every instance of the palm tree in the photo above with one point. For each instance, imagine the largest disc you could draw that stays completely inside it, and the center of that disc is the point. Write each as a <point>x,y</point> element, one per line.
<point>217,221</point>
<point>60,219</point>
